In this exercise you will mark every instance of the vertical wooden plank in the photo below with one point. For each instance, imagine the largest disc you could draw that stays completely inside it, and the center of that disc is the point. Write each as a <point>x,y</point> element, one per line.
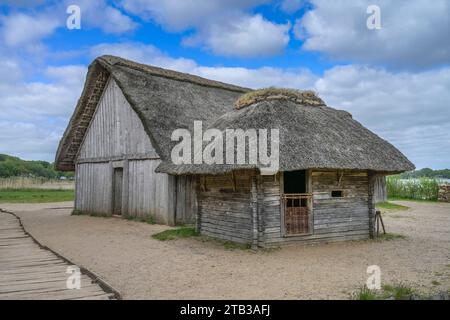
<point>172,202</point>
<point>371,203</point>
<point>254,211</point>
<point>198,221</point>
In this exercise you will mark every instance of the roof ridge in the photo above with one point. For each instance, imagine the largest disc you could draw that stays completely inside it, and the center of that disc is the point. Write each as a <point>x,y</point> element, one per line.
<point>304,97</point>
<point>170,74</point>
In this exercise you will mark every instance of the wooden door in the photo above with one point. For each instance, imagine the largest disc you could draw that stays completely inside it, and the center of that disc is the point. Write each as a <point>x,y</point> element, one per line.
<point>117,191</point>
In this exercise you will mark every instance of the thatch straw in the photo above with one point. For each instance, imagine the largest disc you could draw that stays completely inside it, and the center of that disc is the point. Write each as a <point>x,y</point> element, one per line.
<point>164,100</point>
<point>305,97</point>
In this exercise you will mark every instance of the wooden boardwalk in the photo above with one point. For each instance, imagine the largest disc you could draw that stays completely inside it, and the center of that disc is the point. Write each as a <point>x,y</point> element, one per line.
<point>28,271</point>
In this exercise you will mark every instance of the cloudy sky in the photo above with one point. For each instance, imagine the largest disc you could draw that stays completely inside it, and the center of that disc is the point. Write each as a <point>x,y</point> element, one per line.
<point>395,80</point>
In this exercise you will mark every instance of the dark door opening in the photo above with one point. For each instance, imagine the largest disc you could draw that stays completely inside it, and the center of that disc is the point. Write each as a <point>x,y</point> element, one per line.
<point>117,191</point>
<point>297,203</point>
<point>295,181</point>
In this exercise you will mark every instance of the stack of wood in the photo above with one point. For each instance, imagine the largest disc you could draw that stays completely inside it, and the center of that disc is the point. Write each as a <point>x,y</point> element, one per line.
<point>444,193</point>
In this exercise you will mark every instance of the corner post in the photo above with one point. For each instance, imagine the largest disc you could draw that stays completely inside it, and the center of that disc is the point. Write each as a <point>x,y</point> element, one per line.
<point>371,203</point>
<point>254,208</point>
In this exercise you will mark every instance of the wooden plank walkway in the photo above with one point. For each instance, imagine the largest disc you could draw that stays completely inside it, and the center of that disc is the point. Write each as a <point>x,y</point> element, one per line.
<point>28,271</point>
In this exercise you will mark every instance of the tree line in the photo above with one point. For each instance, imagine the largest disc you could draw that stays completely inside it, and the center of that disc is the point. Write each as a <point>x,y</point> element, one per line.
<point>16,167</point>
<point>426,172</point>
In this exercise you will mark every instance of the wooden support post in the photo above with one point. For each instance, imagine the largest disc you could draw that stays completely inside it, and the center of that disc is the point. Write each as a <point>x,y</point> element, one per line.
<point>233,177</point>
<point>254,206</point>
<point>371,203</point>
<point>172,199</point>
<point>197,211</point>
<point>379,219</point>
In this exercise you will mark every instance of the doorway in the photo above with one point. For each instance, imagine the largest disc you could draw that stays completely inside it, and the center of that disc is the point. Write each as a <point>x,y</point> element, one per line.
<point>117,191</point>
<point>297,203</point>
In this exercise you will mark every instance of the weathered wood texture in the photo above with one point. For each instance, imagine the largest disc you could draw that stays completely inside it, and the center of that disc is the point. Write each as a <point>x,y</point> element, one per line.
<point>116,139</point>
<point>380,192</point>
<point>148,191</point>
<point>334,219</point>
<point>186,199</point>
<point>252,213</point>
<point>28,271</point>
<point>115,130</point>
<point>225,206</point>
<point>94,188</point>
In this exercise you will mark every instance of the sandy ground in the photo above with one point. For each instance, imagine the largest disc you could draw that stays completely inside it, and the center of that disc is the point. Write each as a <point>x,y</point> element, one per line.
<point>125,255</point>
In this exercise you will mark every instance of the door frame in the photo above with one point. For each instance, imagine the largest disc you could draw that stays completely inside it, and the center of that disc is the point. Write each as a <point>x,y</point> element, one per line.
<point>121,165</point>
<point>308,177</point>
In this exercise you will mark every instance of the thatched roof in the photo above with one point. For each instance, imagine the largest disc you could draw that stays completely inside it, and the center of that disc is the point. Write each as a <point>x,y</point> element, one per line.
<point>312,135</point>
<point>305,97</point>
<point>164,100</point>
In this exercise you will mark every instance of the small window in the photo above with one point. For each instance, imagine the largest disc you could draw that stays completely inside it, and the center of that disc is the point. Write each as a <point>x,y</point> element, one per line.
<point>337,194</point>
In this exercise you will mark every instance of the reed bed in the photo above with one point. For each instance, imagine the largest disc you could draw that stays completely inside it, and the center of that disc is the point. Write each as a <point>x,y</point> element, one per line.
<point>416,189</point>
<point>20,183</point>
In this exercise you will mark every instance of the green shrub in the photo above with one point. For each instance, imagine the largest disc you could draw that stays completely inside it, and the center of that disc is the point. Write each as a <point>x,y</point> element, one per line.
<point>399,291</point>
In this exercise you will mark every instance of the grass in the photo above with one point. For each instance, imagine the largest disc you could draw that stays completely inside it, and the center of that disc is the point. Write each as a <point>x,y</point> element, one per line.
<point>390,236</point>
<point>389,206</point>
<point>187,232</point>
<point>146,219</point>
<point>412,200</point>
<point>398,291</point>
<point>91,214</point>
<point>183,232</point>
<point>35,195</point>
<point>435,283</point>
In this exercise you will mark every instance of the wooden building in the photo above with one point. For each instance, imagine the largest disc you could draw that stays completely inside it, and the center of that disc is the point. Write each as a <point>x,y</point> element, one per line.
<point>119,143</point>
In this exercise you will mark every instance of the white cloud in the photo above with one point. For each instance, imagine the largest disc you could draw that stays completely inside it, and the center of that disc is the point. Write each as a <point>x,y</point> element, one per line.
<point>99,14</point>
<point>34,114</point>
<point>26,30</point>
<point>252,78</point>
<point>143,53</point>
<point>223,27</point>
<point>412,34</point>
<point>179,15</point>
<point>408,109</point>
<point>29,140</point>
<point>244,36</point>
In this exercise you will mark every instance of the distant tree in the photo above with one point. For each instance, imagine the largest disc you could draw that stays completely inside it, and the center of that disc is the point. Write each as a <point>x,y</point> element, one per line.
<point>13,166</point>
<point>426,172</point>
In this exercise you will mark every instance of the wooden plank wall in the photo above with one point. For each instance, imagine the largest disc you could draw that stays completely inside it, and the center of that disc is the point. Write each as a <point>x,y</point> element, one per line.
<point>116,130</point>
<point>348,215</point>
<point>114,135</point>
<point>94,188</point>
<point>148,191</point>
<point>224,207</point>
<point>186,199</point>
<point>335,219</point>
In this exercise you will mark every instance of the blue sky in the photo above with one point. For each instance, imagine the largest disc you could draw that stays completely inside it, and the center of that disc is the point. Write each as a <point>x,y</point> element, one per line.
<point>395,80</point>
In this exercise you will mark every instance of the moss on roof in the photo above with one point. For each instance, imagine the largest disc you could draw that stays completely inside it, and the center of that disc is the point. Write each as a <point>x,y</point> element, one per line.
<point>304,97</point>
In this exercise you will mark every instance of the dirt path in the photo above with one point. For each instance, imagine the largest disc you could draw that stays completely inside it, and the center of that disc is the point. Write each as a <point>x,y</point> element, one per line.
<point>138,266</point>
